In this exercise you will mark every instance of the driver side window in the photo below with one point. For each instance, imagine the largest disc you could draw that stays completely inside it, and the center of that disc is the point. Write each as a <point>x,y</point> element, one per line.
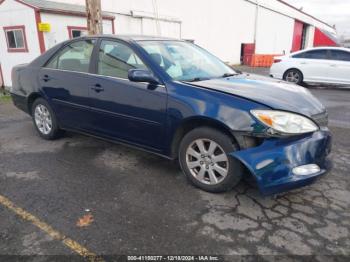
<point>116,59</point>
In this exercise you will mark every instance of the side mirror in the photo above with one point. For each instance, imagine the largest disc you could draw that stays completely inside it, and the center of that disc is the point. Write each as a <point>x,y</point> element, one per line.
<point>142,75</point>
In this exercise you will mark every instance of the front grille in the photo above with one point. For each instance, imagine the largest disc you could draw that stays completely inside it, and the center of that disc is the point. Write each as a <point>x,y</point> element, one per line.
<point>321,119</point>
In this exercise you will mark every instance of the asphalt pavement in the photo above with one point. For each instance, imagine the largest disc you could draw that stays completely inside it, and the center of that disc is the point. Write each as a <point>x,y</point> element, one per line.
<point>82,196</point>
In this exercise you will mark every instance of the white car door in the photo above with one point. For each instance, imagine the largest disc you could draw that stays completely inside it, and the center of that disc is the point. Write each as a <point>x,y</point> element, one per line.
<point>339,70</point>
<point>314,65</point>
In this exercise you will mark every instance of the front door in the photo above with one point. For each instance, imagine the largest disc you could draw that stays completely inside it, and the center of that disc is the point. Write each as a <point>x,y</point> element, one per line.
<point>125,110</point>
<point>66,81</point>
<point>314,65</point>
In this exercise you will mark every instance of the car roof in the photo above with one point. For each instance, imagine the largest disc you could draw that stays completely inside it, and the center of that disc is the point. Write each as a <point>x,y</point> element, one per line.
<point>322,47</point>
<point>134,38</point>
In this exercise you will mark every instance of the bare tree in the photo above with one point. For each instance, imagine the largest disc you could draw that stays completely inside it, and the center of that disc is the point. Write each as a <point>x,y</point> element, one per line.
<point>94,17</point>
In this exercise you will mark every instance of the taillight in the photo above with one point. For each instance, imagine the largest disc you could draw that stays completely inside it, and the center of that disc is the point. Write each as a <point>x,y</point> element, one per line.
<point>277,60</point>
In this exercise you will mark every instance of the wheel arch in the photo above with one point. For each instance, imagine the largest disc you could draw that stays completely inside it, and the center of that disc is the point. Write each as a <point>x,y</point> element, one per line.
<point>194,122</point>
<point>30,100</point>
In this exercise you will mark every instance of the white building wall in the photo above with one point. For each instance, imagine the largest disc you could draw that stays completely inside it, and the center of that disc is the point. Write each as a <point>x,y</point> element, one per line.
<point>274,33</point>
<point>123,6</point>
<point>149,26</point>
<point>220,26</point>
<point>59,27</point>
<point>13,13</point>
<point>125,24</point>
<point>170,29</point>
<point>288,11</point>
<point>139,16</point>
<point>107,26</point>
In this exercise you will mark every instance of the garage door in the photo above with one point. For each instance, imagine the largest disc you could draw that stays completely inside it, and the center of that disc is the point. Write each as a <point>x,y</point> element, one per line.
<point>297,36</point>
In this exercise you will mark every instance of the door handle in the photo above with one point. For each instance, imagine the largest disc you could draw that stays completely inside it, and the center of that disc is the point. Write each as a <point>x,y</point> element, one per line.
<point>46,78</point>
<point>333,65</point>
<point>97,88</point>
<point>303,63</point>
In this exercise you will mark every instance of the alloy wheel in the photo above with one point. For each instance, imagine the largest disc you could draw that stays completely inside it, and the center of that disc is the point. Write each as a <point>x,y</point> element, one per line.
<point>43,119</point>
<point>207,161</point>
<point>293,77</point>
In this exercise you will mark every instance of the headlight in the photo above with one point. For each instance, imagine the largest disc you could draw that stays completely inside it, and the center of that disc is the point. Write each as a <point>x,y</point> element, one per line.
<point>285,122</point>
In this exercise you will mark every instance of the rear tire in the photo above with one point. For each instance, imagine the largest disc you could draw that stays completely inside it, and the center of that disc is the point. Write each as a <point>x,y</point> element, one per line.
<point>45,120</point>
<point>293,76</point>
<point>203,157</point>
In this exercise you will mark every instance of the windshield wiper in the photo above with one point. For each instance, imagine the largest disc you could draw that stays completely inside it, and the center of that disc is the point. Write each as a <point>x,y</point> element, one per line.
<point>229,74</point>
<point>196,79</point>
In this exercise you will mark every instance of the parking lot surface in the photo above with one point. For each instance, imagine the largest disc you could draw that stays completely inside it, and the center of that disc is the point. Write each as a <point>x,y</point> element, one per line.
<point>138,203</point>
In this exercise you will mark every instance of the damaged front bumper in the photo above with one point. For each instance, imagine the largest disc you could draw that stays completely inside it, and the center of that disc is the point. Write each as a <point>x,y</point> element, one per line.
<point>281,164</point>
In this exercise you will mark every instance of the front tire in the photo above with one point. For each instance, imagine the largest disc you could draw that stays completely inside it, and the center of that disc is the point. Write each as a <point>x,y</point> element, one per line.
<point>44,120</point>
<point>203,157</point>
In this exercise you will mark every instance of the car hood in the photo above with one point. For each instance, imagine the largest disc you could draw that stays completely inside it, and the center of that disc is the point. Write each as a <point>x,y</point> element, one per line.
<point>268,91</point>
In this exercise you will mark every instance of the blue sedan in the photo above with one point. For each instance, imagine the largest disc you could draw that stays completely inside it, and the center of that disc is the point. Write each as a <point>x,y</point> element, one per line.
<point>174,99</point>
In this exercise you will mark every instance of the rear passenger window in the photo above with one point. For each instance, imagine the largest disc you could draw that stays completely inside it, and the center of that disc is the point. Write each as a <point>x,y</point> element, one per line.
<point>301,55</point>
<point>116,59</point>
<point>74,57</point>
<point>313,54</point>
<point>340,55</point>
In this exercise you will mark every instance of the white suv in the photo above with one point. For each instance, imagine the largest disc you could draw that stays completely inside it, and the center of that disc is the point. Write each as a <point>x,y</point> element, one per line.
<point>316,65</point>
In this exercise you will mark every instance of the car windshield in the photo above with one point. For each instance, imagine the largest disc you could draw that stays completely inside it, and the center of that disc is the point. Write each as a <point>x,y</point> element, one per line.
<point>184,61</point>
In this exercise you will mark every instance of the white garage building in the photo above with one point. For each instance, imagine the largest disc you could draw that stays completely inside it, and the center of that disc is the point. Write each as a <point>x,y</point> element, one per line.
<point>21,39</point>
<point>231,29</point>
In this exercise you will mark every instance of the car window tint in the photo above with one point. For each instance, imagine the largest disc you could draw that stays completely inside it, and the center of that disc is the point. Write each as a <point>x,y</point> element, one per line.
<point>74,57</point>
<point>116,59</point>
<point>300,55</point>
<point>340,55</point>
<point>313,54</point>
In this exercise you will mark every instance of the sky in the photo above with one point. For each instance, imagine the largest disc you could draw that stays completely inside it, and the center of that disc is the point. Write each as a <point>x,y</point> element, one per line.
<point>333,12</point>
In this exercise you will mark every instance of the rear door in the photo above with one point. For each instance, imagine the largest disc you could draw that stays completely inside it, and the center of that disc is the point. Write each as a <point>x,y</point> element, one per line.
<point>125,110</point>
<point>339,70</point>
<point>314,65</point>
<point>66,82</point>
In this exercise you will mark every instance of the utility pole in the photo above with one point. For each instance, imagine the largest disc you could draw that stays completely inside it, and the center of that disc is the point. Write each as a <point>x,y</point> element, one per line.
<point>94,17</point>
